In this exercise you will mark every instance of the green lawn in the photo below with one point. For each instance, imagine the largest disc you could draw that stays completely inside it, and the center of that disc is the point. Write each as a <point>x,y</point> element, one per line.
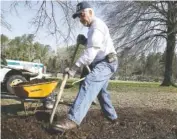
<point>123,94</point>
<point>129,86</point>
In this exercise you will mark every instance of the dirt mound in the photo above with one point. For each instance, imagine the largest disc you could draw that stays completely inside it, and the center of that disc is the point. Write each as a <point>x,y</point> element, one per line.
<point>132,124</point>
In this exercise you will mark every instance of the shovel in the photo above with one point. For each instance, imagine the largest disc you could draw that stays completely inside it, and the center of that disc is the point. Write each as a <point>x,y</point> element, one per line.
<point>62,88</point>
<point>63,85</point>
<point>58,97</point>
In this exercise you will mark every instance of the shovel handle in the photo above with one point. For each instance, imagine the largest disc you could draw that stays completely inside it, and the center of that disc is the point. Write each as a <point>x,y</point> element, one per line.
<point>61,92</point>
<point>58,97</point>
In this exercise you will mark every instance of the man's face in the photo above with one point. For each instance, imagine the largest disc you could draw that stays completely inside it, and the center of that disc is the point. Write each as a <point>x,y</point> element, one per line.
<point>86,17</point>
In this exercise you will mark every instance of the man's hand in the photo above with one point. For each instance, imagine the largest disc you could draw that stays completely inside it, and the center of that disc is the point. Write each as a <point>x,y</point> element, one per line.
<point>81,39</point>
<point>71,72</point>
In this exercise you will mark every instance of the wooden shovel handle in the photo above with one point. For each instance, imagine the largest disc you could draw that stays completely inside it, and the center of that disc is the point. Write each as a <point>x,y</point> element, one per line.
<point>58,97</point>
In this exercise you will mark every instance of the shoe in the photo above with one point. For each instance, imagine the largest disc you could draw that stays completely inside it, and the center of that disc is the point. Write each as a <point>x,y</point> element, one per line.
<point>64,125</point>
<point>49,104</point>
<point>113,121</point>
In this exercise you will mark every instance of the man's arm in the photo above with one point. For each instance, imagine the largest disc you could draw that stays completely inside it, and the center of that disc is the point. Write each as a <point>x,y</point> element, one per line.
<point>94,44</point>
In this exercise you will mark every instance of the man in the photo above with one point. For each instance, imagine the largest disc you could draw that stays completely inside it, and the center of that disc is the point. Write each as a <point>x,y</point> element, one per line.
<point>101,54</point>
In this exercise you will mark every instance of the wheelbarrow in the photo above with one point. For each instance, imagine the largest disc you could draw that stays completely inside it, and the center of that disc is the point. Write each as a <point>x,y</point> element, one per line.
<point>37,91</point>
<point>34,91</point>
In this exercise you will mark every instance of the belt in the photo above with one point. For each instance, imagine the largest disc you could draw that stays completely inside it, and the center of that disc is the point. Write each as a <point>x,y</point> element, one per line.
<point>111,57</point>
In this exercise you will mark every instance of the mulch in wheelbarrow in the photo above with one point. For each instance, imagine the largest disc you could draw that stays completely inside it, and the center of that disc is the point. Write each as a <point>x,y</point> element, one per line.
<point>132,124</point>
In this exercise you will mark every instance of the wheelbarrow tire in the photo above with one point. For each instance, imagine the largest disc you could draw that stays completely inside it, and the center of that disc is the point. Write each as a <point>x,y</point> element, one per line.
<point>16,79</point>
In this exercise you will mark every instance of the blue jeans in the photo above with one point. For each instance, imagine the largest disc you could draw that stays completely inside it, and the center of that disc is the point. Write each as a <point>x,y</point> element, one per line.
<point>94,85</point>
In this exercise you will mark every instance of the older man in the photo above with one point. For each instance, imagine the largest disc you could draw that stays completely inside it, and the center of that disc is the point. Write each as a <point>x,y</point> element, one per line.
<point>101,54</point>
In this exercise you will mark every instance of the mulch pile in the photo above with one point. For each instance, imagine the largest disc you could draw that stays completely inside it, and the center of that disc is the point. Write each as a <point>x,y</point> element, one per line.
<point>132,124</point>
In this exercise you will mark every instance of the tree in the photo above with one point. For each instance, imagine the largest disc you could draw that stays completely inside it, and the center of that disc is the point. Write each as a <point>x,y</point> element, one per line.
<point>4,23</point>
<point>142,63</point>
<point>175,68</point>
<point>53,16</point>
<point>4,43</point>
<point>171,41</point>
<point>145,26</point>
<point>153,67</point>
<point>24,48</point>
<point>139,25</point>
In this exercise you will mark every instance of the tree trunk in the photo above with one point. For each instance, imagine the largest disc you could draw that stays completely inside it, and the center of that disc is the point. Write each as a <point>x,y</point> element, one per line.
<point>171,34</point>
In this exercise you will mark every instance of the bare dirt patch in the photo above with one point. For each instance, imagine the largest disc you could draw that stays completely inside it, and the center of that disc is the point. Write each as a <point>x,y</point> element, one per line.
<point>146,115</point>
<point>132,124</point>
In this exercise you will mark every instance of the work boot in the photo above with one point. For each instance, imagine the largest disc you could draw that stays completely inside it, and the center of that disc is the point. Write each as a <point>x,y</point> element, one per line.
<point>113,121</point>
<point>64,125</point>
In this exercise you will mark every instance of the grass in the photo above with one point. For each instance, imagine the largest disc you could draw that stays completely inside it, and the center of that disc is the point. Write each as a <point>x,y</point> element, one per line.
<point>129,86</point>
<point>124,93</point>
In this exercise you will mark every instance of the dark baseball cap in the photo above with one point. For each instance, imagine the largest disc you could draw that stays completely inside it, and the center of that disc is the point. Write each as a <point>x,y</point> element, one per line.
<point>80,7</point>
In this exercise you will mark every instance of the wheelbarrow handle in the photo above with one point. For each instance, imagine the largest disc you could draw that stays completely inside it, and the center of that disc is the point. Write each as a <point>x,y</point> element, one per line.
<point>78,80</point>
<point>83,77</point>
<point>58,97</point>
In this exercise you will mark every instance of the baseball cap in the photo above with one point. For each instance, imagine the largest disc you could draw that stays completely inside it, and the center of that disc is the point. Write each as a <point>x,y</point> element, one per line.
<point>80,7</point>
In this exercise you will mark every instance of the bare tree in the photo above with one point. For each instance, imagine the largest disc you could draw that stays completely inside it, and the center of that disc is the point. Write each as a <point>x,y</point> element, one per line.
<point>4,23</point>
<point>145,26</point>
<point>53,16</point>
<point>48,18</point>
<point>136,25</point>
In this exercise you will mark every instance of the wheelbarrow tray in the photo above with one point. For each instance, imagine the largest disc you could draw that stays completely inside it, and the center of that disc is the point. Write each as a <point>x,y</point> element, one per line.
<point>40,89</point>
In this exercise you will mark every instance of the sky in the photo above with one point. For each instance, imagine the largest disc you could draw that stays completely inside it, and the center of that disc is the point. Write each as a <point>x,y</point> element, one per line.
<point>20,24</point>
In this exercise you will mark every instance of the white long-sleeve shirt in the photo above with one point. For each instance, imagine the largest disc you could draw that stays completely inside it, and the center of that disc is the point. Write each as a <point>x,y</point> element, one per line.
<point>99,43</point>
